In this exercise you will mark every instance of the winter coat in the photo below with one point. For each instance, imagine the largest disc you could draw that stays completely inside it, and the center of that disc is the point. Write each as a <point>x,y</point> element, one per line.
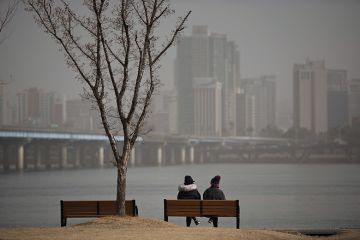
<point>188,192</point>
<point>213,193</point>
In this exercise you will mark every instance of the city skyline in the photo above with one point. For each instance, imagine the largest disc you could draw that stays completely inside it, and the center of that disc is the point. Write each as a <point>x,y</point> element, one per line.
<point>271,35</point>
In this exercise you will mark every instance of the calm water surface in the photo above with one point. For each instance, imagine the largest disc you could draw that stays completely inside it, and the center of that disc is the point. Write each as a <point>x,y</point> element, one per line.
<point>271,195</point>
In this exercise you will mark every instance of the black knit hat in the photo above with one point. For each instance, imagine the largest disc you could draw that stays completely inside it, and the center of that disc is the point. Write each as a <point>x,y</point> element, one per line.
<point>188,180</point>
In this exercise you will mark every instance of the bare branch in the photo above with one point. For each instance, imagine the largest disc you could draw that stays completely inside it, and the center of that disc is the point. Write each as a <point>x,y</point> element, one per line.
<point>178,29</point>
<point>147,98</point>
<point>81,22</point>
<point>162,13</point>
<point>72,38</point>
<point>5,17</point>
<point>137,12</point>
<point>113,53</point>
<point>146,11</point>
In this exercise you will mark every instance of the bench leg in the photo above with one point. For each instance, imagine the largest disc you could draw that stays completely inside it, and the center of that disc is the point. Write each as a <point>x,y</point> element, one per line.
<point>63,222</point>
<point>166,218</point>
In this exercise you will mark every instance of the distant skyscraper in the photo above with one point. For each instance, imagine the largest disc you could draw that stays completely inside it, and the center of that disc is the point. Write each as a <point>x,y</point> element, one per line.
<point>163,117</point>
<point>170,107</point>
<point>20,109</point>
<point>3,102</point>
<point>184,86</point>
<point>201,56</point>
<point>256,105</point>
<point>59,112</point>
<point>80,116</point>
<point>338,103</point>
<point>47,104</point>
<point>207,103</point>
<point>29,107</point>
<point>33,105</point>
<point>241,112</point>
<point>310,96</point>
<point>35,108</point>
<point>354,99</point>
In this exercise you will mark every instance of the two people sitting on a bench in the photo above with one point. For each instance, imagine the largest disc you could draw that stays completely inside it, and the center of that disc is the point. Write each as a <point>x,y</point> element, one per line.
<point>188,190</point>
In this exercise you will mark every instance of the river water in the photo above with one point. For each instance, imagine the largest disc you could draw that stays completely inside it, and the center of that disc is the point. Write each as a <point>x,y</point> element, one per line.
<point>305,196</point>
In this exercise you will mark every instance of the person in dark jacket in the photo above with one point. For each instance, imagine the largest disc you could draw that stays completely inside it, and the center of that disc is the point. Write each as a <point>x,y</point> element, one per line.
<point>188,190</point>
<point>214,193</point>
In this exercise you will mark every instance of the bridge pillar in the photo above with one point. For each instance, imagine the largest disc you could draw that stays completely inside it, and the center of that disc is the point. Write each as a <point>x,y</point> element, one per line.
<point>201,152</point>
<point>20,162</point>
<point>64,157</point>
<point>192,155</point>
<point>183,155</point>
<point>132,157</point>
<point>172,155</point>
<point>77,156</point>
<point>7,157</point>
<point>38,157</point>
<point>47,157</point>
<point>159,156</point>
<point>101,156</point>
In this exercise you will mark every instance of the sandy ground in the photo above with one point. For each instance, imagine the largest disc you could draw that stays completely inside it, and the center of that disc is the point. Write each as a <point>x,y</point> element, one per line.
<point>144,228</point>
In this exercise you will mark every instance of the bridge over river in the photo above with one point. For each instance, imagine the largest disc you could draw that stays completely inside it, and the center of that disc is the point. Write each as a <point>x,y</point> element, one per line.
<point>47,149</point>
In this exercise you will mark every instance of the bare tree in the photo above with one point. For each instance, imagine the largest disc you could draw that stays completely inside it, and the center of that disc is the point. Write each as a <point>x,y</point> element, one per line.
<point>115,50</point>
<point>7,14</point>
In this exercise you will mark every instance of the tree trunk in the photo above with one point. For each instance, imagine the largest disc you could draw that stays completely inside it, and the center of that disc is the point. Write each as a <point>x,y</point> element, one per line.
<point>120,195</point>
<point>121,181</point>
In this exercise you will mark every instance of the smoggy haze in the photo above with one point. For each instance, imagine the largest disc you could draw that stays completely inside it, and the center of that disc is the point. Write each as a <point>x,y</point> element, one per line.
<point>272,35</point>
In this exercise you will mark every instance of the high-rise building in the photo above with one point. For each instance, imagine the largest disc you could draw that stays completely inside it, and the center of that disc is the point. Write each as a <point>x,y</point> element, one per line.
<point>33,105</point>
<point>35,108</point>
<point>170,107</point>
<point>3,102</point>
<point>310,96</point>
<point>337,98</point>
<point>30,107</point>
<point>206,56</point>
<point>321,97</point>
<point>59,112</point>
<point>47,103</point>
<point>20,109</point>
<point>80,116</point>
<point>207,107</point>
<point>241,119</point>
<point>184,85</point>
<point>162,120</point>
<point>256,105</point>
<point>354,100</point>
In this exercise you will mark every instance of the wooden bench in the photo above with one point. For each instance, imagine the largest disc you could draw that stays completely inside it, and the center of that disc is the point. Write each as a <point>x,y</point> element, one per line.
<point>202,208</point>
<point>88,209</point>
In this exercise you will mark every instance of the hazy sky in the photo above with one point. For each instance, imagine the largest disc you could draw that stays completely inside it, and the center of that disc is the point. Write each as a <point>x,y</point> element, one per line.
<point>272,35</point>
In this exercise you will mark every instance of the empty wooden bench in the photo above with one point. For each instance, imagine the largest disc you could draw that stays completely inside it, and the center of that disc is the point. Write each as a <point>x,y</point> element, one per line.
<point>202,208</point>
<point>88,209</point>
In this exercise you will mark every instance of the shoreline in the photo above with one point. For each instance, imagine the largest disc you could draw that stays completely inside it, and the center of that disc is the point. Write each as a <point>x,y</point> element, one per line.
<point>113,227</point>
<point>14,170</point>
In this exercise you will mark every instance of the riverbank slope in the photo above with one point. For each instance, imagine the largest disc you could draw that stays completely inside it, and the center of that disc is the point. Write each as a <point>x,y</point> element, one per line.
<point>109,228</point>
